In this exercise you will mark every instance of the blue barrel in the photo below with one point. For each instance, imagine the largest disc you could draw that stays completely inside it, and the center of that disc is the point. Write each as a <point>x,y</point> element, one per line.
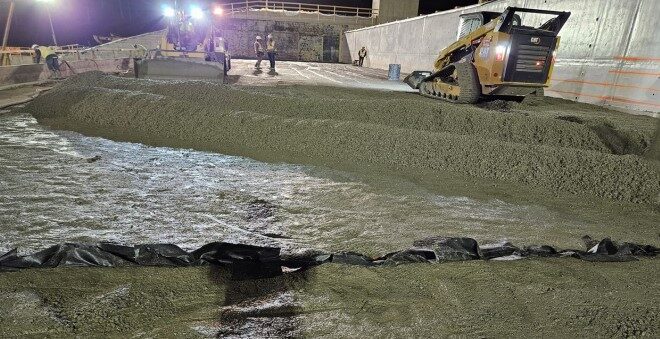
<point>395,72</point>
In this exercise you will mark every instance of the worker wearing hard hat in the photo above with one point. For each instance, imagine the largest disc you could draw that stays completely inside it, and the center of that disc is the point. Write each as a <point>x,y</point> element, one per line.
<point>271,50</point>
<point>50,58</point>
<point>258,51</point>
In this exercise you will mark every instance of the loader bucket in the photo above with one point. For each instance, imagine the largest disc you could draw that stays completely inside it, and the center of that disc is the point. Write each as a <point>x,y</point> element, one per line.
<point>178,68</point>
<point>415,78</point>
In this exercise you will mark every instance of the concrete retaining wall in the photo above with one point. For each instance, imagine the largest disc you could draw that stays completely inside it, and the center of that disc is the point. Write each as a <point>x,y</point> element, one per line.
<point>112,57</point>
<point>609,52</point>
<point>11,75</point>
<point>122,48</point>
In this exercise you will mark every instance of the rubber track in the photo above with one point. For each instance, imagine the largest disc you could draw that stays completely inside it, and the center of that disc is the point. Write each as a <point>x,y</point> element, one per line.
<point>429,95</point>
<point>473,91</point>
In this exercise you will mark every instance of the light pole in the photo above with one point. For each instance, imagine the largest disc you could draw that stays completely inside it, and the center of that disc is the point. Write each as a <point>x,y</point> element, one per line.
<point>5,37</point>
<point>50,19</point>
<point>8,24</point>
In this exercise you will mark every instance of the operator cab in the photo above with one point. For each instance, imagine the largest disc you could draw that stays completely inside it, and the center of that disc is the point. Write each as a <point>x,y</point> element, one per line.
<point>471,21</point>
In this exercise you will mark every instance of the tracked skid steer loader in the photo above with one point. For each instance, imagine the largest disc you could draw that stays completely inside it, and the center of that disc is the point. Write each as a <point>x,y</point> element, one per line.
<point>509,54</point>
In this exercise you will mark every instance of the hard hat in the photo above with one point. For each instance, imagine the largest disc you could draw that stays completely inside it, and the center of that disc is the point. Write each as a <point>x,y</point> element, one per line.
<point>35,46</point>
<point>270,36</point>
<point>258,37</point>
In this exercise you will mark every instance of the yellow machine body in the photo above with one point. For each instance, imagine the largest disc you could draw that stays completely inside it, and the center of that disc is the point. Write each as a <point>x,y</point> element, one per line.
<point>495,54</point>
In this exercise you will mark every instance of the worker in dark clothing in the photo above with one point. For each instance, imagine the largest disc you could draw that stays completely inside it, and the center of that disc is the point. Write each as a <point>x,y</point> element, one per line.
<point>221,46</point>
<point>50,58</point>
<point>362,54</point>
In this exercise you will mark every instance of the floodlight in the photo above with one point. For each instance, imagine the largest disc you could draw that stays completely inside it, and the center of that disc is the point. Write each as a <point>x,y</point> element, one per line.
<point>168,11</point>
<point>196,12</point>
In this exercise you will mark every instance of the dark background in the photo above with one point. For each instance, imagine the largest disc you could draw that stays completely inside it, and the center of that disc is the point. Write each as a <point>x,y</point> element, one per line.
<point>75,21</point>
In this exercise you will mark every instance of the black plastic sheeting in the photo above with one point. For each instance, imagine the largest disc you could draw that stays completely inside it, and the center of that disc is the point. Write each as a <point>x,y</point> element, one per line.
<point>246,261</point>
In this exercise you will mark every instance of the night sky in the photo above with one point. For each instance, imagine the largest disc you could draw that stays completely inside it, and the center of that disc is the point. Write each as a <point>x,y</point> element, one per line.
<point>76,21</point>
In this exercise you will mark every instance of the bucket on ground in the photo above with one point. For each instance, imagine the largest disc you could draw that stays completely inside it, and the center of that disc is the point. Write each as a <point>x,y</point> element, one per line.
<point>395,72</point>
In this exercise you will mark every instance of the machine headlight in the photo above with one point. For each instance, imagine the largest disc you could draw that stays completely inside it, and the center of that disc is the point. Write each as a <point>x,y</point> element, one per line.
<point>500,50</point>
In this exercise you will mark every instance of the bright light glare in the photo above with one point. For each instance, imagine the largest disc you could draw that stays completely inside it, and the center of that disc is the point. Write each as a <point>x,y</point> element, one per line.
<point>499,53</point>
<point>168,11</point>
<point>196,13</point>
<point>44,0</point>
<point>217,11</point>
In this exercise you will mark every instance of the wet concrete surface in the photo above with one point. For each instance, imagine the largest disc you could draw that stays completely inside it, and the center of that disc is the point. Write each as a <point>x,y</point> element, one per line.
<point>60,186</point>
<point>311,73</point>
<point>19,94</point>
<point>556,145</point>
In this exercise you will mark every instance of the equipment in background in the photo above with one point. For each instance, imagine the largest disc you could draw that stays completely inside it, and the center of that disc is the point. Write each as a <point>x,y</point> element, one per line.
<point>497,54</point>
<point>189,49</point>
<point>105,39</point>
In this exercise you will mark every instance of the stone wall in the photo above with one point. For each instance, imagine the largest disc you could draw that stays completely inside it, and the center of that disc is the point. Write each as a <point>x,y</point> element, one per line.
<point>296,41</point>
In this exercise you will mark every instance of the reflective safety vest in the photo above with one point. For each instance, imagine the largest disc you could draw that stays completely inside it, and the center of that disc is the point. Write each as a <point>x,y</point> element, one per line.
<point>46,51</point>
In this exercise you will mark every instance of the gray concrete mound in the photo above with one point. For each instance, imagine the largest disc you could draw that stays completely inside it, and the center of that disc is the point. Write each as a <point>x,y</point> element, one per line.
<point>596,152</point>
<point>179,68</point>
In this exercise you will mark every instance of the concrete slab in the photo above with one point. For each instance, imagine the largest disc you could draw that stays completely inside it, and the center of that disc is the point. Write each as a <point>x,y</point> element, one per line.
<point>313,73</point>
<point>16,95</point>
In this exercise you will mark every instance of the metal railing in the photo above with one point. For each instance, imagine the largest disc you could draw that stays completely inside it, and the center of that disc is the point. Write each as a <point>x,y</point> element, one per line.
<point>14,56</point>
<point>245,7</point>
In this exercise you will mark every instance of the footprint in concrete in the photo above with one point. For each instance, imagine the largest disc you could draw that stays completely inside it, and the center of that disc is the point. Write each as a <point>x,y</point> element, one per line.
<point>259,209</point>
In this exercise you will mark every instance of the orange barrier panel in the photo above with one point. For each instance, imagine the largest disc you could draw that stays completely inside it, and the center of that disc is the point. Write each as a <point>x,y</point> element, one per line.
<point>606,84</point>
<point>640,73</point>
<point>636,59</point>
<point>606,98</point>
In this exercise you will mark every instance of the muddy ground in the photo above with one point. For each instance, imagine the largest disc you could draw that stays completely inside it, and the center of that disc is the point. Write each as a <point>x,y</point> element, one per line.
<point>382,169</point>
